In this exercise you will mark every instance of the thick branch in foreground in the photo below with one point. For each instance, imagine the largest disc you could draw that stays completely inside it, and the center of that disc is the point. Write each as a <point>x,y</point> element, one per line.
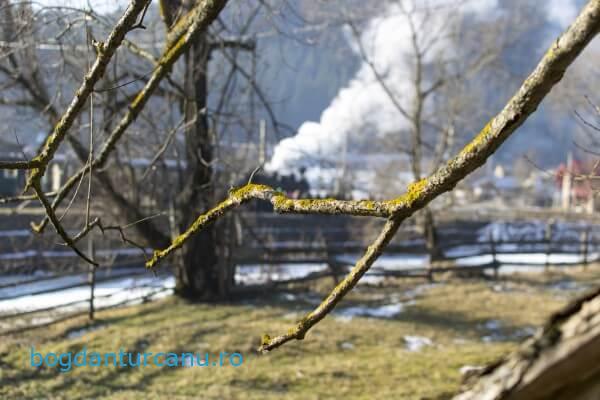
<point>281,204</point>
<point>559,362</point>
<point>529,96</point>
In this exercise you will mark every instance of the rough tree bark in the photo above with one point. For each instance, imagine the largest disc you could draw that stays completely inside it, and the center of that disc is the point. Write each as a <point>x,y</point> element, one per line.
<point>559,362</point>
<point>196,266</point>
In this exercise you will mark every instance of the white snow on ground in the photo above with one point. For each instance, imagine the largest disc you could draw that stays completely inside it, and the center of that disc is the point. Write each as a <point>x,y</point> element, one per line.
<point>15,233</point>
<point>533,230</point>
<point>28,288</point>
<point>20,255</point>
<point>124,288</point>
<point>492,325</point>
<point>416,343</point>
<point>385,311</point>
<point>16,278</point>
<point>347,346</point>
<point>256,274</point>
<point>495,326</point>
<point>121,290</point>
<point>251,274</point>
<point>568,286</point>
<point>77,333</point>
<point>69,253</point>
<point>390,262</point>
<point>510,262</point>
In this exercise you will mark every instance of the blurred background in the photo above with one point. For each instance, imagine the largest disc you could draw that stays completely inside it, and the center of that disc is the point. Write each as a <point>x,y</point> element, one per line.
<point>318,99</point>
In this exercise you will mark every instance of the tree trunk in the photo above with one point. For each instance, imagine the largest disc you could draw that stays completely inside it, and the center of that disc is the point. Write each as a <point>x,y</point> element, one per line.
<point>430,233</point>
<point>196,265</point>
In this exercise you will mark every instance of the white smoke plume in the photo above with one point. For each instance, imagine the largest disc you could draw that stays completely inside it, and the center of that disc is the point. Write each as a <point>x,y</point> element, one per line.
<point>386,41</point>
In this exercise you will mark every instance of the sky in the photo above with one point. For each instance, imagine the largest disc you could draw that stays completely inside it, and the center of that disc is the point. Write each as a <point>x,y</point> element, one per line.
<point>563,11</point>
<point>101,6</point>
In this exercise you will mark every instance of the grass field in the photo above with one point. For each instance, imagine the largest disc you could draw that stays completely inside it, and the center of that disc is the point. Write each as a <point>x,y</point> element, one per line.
<point>469,322</point>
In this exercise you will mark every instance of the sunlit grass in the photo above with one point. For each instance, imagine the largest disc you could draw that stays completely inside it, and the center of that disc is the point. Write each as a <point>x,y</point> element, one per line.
<point>361,358</point>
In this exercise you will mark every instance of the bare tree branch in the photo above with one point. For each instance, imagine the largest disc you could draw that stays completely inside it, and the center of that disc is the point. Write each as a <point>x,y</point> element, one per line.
<point>199,18</point>
<point>539,83</point>
<point>548,72</point>
<point>105,53</point>
<point>281,204</point>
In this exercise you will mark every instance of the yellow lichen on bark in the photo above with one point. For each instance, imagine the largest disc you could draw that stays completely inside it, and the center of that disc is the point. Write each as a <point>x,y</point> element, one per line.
<point>481,138</point>
<point>413,192</point>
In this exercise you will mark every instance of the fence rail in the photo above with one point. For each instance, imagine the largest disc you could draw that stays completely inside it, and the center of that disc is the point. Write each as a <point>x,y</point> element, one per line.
<point>310,243</point>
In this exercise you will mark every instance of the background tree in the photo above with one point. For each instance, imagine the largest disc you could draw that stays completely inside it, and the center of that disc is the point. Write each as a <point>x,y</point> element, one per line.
<point>199,119</point>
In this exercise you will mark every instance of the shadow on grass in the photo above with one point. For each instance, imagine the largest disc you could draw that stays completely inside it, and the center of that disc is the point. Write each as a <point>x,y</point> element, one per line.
<point>148,323</point>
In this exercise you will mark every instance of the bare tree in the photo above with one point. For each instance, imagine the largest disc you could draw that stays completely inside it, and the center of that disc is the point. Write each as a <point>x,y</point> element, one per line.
<point>435,98</point>
<point>197,269</point>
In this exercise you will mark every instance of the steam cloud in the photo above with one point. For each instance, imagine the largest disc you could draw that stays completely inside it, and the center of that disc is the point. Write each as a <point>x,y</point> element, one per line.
<point>386,41</point>
<point>362,102</point>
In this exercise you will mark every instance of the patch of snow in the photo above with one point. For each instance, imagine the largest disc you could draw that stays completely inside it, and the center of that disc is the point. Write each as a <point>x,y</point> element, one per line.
<point>416,343</point>
<point>463,251</point>
<point>347,346</point>
<point>41,320</point>
<point>15,233</point>
<point>77,333</point>
<point>493,325</point>
<point>500,288</point>
<point>391,262</point>
<point>519,334</point>
<point>568,286</point>
<point>288,296</point>
<point>20,255</point>
<point>70,280</point>
<point>533,230</point>
<point>110,293</point>
<point>252,274</point>
<point>525,332</point>
<point>493,338</point>
<point>386,311</point>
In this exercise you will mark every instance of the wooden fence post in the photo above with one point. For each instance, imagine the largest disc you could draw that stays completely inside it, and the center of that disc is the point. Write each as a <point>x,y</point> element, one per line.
<point>548,239</point>
<point>495,262</point>
<point>585,239</point>
<point>431,242</point>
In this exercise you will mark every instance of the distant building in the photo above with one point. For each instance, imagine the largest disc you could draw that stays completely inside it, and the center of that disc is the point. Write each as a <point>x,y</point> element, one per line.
<point>575,193</point>
<point>498,185</point>
<point>11,180</point>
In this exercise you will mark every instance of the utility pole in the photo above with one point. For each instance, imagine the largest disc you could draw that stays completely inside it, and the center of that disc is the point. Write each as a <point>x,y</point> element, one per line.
<point>567,183</point>
<point>262,142</point>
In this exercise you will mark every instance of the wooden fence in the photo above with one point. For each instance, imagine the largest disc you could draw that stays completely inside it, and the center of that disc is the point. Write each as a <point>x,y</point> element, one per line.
<point>277,244</point>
